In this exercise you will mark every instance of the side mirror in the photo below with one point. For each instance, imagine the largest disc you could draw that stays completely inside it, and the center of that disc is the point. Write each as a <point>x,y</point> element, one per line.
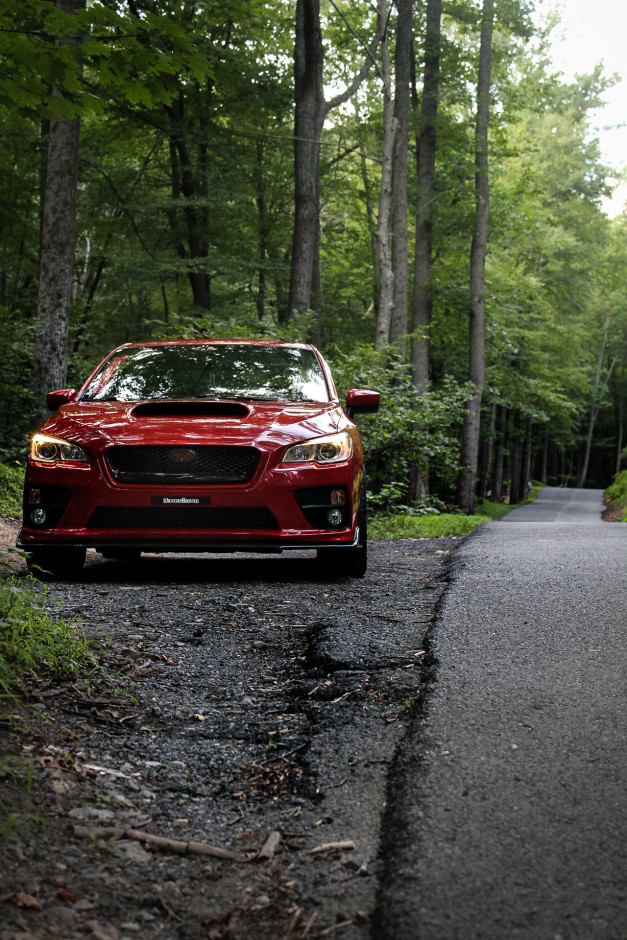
<point>63,396</point>
<point>362,401</point>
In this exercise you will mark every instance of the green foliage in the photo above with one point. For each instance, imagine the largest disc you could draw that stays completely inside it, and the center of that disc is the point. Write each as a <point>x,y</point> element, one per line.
<point>33,638</point>
<point>423,527</point>
<point>617,493</point>
<point>412,427</point>
<point>185,213</point>
<point>11,483</point>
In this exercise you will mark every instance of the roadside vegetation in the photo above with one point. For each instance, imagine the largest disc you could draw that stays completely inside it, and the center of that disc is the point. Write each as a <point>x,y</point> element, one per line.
<point>11,481</point>
<point>34,639</point>
<point>616,494</point>
<point>430,522</point>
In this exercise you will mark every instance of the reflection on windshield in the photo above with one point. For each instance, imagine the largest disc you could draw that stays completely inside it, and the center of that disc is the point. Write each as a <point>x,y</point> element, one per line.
<point>269,373</point>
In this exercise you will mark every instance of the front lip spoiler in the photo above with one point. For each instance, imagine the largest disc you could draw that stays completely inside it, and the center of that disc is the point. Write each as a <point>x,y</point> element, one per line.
<point>147,545</point>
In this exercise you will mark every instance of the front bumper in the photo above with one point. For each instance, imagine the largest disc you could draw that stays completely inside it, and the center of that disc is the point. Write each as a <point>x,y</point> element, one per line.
<point>85,509</point>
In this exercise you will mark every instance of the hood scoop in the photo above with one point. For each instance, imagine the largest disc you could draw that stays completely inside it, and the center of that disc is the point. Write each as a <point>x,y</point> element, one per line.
<point>191,409</point>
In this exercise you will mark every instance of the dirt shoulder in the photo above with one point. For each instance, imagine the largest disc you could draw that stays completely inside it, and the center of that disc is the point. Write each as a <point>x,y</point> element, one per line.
<point>227,778</point>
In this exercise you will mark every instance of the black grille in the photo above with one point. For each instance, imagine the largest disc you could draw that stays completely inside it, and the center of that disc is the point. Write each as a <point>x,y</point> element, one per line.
<point>182,517</point>
<point>182,465</point>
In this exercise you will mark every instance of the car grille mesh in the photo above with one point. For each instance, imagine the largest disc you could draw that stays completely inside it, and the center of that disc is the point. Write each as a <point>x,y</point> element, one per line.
<point>182,517</point>
<point>182,465</point>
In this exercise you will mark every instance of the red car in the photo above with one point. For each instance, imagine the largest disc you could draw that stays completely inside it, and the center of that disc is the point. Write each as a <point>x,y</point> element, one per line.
<point>194,446</point>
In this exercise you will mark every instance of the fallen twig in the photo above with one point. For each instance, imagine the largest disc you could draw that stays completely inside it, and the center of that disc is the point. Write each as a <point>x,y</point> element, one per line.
<point>331,846</point>
<point>329,930</point>
<point>270,845</point>
<point>162,843</point>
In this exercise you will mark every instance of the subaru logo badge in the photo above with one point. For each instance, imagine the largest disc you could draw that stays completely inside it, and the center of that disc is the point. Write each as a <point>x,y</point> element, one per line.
<point>182,455</point>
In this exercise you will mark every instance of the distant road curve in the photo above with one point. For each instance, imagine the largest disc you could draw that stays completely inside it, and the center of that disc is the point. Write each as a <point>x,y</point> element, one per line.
<point>556,504</point>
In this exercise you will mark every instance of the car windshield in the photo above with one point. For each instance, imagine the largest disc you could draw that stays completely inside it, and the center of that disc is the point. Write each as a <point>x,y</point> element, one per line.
<point>203,370</point>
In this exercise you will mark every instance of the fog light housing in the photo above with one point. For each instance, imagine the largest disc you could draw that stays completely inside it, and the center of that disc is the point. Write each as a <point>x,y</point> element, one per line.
<point>335,517</point>
<point>38,516</point>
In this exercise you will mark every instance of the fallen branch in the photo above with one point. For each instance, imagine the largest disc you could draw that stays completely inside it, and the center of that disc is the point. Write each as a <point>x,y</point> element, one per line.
<point>159,842</point>
<point>331,846</point>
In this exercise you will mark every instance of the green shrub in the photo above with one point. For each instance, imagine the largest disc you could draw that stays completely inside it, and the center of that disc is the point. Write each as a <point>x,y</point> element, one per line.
<point>11,483</point>
<point>34,639</point>
<point>617,492</point>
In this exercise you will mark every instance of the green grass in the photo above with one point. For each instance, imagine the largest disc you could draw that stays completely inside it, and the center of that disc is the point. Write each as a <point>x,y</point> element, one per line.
<point>439,525</point>
<point>617,493</point>
<point>33,639</point>
<point>423,527</point>
<point>11,482</point>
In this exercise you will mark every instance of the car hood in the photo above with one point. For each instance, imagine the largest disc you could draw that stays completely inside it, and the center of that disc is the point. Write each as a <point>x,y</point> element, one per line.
<point>266,425</point>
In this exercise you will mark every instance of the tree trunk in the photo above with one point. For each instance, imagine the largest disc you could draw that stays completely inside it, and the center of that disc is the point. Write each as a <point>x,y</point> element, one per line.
<point>262,229</point>
<point>386,277</point>
<point>620,417</point>
<point>499,459</point>
<point>487,464</point>
<point>525,469</point>
<point>398,220</point>
<point>472,415</point>
<point>308,121</point>
<point>193,189</point>
<point>598,390</point>
<point>56,262</point>
<point>371,228</point>
<point>311,110</point>
<point>515,468</point>
<point>426,153</point>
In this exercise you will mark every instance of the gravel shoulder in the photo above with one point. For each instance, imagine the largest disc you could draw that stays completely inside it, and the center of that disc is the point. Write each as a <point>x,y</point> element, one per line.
<point>248,719</point>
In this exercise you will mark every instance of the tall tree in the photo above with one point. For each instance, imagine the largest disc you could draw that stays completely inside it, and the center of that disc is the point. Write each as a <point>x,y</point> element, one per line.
<point>311,110</point>
<point>398,215</point>
<point>425,159</point>
<point>56,270</point>
<point>472,416</point>
<point>386,276</point>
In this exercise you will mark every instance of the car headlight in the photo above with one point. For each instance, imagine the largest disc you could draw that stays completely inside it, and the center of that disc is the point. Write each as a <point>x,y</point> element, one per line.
<point>55,450</point>
<point>322,450</point>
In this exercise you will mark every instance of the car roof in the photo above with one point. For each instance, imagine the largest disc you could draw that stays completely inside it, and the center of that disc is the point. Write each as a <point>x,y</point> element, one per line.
<point>216,342</point>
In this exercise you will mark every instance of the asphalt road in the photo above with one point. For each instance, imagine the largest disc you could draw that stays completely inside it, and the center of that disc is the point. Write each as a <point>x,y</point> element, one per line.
<point>507,810</point>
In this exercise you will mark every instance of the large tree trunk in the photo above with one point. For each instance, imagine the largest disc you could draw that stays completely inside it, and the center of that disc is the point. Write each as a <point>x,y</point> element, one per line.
<point>308,121</point>
<point>472,415</point>
<point>192,187</point>
<point>311,110</point>
<point>402,63</point>
<point>426,153</point>
<point>386,277</point>
<point>56,262</point>
<point>425,167</point>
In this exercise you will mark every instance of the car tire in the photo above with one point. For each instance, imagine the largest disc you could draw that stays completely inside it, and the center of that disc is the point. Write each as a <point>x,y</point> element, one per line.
<point>349,562</point>
<point>62,563</point>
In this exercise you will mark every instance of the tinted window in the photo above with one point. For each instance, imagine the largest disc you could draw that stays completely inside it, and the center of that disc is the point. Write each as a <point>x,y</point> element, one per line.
<point>204,371</point>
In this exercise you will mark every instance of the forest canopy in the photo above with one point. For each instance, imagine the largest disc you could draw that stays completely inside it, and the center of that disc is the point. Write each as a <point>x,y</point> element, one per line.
<point>409,185</point>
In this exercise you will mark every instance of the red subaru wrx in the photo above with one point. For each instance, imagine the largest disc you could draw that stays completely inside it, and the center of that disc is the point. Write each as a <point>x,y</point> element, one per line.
<point>199,446</point>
